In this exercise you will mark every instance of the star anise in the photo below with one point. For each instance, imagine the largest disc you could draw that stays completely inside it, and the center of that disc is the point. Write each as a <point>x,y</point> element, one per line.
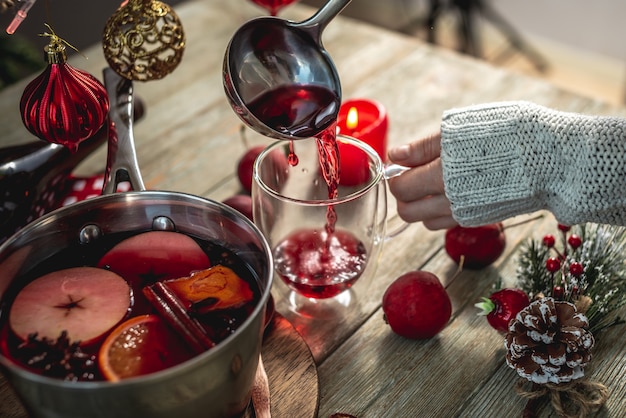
<point>60,359</point>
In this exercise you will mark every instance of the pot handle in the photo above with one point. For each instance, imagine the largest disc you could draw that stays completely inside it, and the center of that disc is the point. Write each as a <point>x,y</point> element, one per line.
<point>121,155</point>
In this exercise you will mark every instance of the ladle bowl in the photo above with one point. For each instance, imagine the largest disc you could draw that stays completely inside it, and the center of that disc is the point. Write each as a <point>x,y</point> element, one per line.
<point>278,77</point>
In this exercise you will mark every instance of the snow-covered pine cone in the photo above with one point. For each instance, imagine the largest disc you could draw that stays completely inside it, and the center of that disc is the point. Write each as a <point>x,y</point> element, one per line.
<point>548,342</point>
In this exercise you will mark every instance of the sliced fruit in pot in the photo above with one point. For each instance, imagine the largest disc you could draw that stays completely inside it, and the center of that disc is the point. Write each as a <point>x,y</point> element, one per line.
<point>141,345</point>
<point>215,288</point>
<point>155,255</point>
<point>84,301</point>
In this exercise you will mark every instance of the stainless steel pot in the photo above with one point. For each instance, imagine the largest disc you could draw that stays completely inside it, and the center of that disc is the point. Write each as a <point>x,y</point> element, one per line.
<point>216,383</point>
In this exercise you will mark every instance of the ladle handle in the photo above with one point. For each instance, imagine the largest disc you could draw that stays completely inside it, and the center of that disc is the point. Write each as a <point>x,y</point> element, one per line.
<point>316,23</point>
<point>121,155</point>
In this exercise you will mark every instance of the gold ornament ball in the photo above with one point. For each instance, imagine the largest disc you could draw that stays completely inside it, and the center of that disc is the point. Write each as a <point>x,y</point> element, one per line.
<point>143,40</point>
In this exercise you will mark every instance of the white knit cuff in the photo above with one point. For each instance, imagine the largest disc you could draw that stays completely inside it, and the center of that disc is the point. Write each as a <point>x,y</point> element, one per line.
<point>482,163</point>
<point>505,159</point>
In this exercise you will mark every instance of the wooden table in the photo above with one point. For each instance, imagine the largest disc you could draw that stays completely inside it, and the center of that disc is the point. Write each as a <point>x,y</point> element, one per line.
<point>189,141</point>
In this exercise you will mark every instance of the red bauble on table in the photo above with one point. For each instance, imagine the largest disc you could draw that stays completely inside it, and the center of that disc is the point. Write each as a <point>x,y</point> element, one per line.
<point>245,167</point>
<point>241,203</point>
<point>416,305</point>
<point>478,246</point>
<point>63,105</point>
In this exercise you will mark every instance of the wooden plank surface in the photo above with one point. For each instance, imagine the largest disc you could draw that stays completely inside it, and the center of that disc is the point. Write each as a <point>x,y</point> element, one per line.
<point>190,141</point>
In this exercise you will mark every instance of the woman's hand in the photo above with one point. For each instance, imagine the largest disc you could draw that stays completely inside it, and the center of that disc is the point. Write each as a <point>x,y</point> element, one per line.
<point>419,192</point>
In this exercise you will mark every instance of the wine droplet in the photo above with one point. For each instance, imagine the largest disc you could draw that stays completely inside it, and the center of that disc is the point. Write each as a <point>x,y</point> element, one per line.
<point>292,158</point>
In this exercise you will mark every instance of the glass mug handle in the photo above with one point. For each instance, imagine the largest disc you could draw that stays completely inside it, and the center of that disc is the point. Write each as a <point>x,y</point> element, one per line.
<point>390,171</point>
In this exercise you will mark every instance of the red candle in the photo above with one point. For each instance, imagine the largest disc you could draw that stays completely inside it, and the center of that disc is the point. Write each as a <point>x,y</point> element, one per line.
<point>365,119</point>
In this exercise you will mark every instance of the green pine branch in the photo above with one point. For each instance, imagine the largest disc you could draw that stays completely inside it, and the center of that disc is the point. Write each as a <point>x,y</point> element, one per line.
<point>603,256</point>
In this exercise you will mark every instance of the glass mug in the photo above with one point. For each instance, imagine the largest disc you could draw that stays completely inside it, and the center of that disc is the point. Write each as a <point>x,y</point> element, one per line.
<point>321,246</point>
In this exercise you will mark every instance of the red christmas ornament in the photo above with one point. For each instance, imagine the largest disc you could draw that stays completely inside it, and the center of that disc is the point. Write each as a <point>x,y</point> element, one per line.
<point>63,105</point>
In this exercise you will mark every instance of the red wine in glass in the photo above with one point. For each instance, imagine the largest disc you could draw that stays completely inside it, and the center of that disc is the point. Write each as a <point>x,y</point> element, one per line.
<point>273,6</point>
<point>318,264</point>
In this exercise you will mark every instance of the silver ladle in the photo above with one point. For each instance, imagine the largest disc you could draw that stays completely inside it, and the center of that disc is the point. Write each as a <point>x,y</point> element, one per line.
<point>278,77</point>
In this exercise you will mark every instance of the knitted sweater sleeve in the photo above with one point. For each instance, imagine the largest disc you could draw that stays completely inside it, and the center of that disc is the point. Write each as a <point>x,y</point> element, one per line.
<point>510,158</point>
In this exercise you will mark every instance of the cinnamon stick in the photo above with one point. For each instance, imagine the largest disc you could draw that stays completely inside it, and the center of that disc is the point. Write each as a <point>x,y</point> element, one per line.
<point>173,311</point>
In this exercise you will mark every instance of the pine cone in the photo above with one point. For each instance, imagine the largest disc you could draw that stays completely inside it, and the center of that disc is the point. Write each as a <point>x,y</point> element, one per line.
<point>548,342</point>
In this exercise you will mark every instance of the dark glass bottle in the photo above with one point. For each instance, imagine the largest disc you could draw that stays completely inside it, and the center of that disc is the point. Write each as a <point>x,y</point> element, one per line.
<point>32,175</point>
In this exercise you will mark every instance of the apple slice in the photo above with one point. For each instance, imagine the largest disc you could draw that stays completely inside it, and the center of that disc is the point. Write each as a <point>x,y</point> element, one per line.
<point>156,255</point>
<point>84,301</point>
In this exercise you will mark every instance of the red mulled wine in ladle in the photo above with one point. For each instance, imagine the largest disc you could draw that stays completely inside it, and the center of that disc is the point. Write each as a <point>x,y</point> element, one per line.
<point>279,78</point>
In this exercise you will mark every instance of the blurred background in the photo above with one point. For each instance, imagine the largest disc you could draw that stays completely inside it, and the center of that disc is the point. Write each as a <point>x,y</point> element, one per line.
<point>576,44</point>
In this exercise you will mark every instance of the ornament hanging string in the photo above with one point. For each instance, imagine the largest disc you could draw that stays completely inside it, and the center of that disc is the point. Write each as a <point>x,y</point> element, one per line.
<point>574,399</point>
<point>57,41</point>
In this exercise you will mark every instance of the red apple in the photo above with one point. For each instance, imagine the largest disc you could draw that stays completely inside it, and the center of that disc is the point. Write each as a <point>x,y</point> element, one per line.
<point>245,167</point>
<point>144,258</point>
<point>84,301</point>
<point>416,305</point>
<point>241,203</point>
<point>479,246</point>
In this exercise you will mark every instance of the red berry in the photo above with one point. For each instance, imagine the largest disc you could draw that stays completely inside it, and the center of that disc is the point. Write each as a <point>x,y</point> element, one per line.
<point>576,268</point>
<point>553,264</point>
<point>574,241</point>
<point>416,305</point>
<point>549,241</point>
<point>479,246</point>
<point>502,306</point>
<point>245,165</point>
<point>557,292</point>
<point>563,228</point>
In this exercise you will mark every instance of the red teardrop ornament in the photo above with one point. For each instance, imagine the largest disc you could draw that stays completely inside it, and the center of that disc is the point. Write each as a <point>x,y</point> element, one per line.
<point>64,105</point>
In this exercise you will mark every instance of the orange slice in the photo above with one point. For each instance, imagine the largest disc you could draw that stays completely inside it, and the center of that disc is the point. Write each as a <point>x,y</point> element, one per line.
<point>217,287</point>
<point>139,346</point>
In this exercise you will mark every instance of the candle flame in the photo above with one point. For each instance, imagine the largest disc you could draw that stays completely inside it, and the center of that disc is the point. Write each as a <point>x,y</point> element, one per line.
<point>352,120</point>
